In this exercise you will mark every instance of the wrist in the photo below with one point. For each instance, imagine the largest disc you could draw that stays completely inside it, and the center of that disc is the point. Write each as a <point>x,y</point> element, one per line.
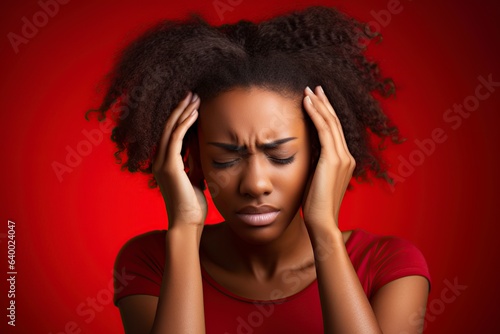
<point>329,227</point>
<point>325,240</point>
<point>185,232</point>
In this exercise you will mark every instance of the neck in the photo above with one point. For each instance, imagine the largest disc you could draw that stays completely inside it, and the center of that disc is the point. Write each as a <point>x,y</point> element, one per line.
<point>265,261</point>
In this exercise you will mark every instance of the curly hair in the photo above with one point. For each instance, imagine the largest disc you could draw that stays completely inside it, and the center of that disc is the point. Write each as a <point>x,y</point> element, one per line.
<point>315,46</point>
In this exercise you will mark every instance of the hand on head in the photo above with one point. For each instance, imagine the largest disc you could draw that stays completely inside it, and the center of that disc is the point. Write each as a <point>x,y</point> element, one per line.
<point>185,201</point>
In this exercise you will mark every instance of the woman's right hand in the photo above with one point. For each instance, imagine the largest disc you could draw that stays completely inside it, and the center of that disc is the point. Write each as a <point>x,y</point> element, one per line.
<point>185,202</point>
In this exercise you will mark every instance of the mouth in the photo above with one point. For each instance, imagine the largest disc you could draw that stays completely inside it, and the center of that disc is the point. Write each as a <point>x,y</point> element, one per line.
<point>258,219</point>
<point>258,216</point>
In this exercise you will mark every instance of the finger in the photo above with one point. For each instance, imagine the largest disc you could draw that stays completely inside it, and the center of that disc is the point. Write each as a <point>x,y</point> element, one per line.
<point>170,124</point>
<point>160,153</point>
<point>352,162</point>
<point>175,143</point>
<point>321,94</point>
<point>338,125</point>
<point>194,104</point>
<point>325,123</point>
<point>180,113</point>
<point>186,113</point>
<point>342,149</point>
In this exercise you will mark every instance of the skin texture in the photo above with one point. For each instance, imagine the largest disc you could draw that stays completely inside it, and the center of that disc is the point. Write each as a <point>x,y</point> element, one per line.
<point>255,177</point>
<point>251,261</point>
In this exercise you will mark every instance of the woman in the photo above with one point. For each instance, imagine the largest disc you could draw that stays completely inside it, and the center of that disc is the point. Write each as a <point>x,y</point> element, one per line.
<point>233,107</point>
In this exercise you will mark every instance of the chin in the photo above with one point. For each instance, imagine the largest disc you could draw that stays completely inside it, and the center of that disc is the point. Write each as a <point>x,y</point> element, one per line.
<point>259,235</point>
<point>256,236</point>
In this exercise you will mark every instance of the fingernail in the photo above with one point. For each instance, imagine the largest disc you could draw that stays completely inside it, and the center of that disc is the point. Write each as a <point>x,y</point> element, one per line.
<point>308,99</point>
<point>321,89</point>
<point>194,98</point>
<point>309,89</point>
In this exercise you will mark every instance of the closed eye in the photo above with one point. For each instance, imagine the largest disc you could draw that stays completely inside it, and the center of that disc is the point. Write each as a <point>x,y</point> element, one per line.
<point>280,161</point>
<point>285,161</point>
<point>221,165</point>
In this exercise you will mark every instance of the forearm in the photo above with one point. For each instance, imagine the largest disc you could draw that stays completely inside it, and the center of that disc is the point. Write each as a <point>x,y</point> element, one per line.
<point>345,307</point>
<point>180,305</point>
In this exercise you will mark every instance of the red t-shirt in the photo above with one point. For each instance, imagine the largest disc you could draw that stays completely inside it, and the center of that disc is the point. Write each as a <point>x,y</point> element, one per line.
<point>377,260</point>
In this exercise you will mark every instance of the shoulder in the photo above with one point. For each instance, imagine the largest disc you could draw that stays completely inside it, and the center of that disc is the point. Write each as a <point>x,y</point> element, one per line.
<point>379,259</point>
<point>378,246</point>
<point>139,265</point>
<point>145,242</point>
<point>147,247</point>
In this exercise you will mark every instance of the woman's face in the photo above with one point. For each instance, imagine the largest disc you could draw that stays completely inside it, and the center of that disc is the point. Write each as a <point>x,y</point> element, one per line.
<point>255,154</point>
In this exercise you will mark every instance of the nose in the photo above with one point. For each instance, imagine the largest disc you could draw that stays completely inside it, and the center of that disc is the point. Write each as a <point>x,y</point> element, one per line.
<point>255,181</point>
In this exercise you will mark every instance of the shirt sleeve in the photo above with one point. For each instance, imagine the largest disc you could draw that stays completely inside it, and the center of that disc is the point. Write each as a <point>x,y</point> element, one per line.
<point>138,268</point>
<point>396,258</point>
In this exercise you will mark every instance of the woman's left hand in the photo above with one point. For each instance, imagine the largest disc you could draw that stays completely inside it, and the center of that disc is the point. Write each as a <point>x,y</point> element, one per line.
<point>328,183</point>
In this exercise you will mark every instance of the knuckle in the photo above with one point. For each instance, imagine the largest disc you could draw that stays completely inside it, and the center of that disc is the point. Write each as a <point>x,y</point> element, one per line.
<point>176,135</point>
<point>346,162</point>
<point>169,123</point>
<point>326,127</point>
<point>336,162</point>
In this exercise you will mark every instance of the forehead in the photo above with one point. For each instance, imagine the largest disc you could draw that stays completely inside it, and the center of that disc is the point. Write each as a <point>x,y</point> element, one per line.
<point>251,113</point>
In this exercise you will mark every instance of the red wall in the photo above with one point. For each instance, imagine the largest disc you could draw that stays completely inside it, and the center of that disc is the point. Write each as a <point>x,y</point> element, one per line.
<point>68,230</point>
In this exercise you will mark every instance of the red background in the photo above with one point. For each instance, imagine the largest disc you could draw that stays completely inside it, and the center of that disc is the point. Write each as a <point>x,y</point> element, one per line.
<point>69,231</point>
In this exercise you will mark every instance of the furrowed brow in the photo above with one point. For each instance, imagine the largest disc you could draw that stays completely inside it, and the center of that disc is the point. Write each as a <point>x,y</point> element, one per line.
<point>276,143</point>
<point>229,147</point>
<point>243,149</point>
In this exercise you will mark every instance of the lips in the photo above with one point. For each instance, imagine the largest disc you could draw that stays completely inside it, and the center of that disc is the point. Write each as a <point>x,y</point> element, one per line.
<point>257,209</point>
<point>258,215</point>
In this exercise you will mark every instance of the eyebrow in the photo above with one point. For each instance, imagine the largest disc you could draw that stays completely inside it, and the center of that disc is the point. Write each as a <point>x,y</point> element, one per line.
<point>239,149</point>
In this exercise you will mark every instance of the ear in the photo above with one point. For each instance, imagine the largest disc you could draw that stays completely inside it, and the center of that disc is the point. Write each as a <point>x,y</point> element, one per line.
<point>193,162</point>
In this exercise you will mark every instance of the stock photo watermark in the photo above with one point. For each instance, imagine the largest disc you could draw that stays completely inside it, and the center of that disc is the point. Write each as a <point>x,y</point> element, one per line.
<point>223,6</point>
<point>94,137</point>
<point>293,278</point>
<point>32,25</point>
<point>11,272</point>
<point>87,310</point>
<point>383,18</point>
<point>437,306</point>
<point>453,118</point>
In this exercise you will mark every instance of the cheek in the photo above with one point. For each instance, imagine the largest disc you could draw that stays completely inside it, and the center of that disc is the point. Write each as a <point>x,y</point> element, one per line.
<point>223,189</point>
<point>288,181</point>
<point>222,183</point>
<point>296,176</point>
